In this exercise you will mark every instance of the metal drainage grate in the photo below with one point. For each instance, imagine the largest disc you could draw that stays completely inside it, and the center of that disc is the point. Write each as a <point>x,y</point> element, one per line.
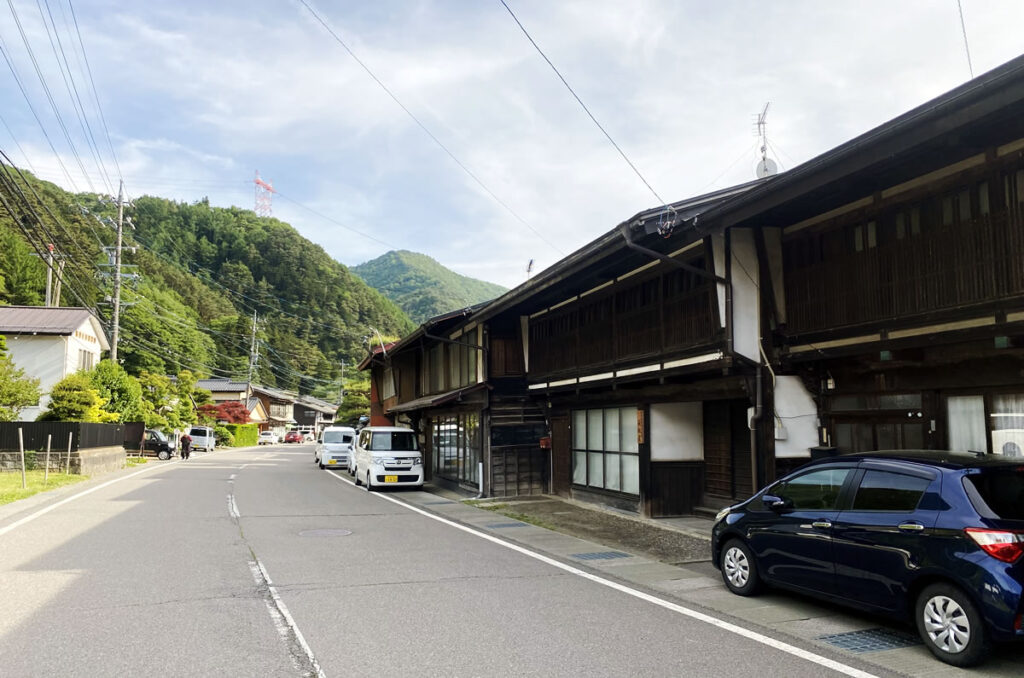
<point>871,640</point>
<point>601,555</point>
<point>498,526</point>
<point>325,532</point>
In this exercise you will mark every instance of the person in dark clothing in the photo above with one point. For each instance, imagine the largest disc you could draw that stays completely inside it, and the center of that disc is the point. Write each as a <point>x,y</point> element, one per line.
<point>186,446</point>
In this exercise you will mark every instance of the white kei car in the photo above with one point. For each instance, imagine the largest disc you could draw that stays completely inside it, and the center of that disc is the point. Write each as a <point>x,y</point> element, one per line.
<point>387,456</point>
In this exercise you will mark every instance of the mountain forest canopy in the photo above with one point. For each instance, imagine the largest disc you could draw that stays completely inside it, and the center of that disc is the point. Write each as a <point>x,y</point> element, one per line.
<point>422,287</point>
<point>192,281</point>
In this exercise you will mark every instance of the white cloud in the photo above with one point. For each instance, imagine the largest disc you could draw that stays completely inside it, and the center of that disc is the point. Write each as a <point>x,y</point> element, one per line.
<point>200,95</point>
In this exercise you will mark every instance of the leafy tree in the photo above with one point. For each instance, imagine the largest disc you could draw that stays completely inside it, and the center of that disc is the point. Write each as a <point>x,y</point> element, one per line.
<point>24,275</point>
<point>159,401</point>
<point>356,401</point>
<point>122,392</point>
<point>207,413</point>
<point>16,390</point>
<point>74,399</point>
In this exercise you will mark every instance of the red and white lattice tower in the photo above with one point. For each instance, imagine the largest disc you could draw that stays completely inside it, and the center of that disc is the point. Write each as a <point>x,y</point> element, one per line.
<point>264,195</point>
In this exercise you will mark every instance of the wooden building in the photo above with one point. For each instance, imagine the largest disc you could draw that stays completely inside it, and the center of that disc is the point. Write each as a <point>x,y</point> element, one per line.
<point>870,298</point>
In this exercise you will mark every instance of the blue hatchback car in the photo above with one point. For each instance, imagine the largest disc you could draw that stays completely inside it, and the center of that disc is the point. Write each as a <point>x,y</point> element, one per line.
<point>936,537</point>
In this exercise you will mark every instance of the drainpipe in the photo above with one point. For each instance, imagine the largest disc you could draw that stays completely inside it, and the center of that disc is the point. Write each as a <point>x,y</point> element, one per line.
<point>754,422</point>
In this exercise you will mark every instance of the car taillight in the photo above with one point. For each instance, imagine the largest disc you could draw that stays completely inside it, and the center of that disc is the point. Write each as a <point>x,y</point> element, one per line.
<point>1003,545</point>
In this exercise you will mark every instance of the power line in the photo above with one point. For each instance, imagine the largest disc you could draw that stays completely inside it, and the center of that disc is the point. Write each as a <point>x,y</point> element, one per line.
<point>967,48</point>
<point>334,221</point>
<point>69,84</point>
<point>92,82</point>
<point>49,95</point>
<point>584,106</point>
<point>28,100</point>
<point>423,127</point>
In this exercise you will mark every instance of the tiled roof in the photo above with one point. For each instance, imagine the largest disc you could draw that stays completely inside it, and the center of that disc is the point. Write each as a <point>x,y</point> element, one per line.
<point>220,385</point>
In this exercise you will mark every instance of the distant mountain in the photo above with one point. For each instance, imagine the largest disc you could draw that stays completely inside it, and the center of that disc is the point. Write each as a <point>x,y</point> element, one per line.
<point>422,287</point>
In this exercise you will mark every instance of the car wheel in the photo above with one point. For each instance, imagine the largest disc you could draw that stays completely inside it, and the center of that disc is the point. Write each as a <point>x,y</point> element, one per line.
<point>950,625</point>
<point>163,455</point>
<point>321,466</point>
<point>369,486</point>
<point>739,570</point>
<point>356,476</point>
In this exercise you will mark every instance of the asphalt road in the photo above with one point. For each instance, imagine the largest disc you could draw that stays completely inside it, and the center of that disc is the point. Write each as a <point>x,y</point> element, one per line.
<point>256,563</point>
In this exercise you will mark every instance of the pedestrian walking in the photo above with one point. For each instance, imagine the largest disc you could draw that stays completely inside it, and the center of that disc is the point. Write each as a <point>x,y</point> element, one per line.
<point>186,446</point>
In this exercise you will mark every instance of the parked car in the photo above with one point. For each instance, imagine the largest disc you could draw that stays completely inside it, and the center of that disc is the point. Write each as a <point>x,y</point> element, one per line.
<point>293,437</point>
<point>156,442</point>
<point>309,437</point>
<point>202,438</point>
<point>937,537</point>
<point>388,455</point>
<point>334,447</point>
<point>267,438</point>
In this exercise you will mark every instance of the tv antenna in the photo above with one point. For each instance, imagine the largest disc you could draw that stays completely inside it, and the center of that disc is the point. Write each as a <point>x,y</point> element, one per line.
<point>766,167</point>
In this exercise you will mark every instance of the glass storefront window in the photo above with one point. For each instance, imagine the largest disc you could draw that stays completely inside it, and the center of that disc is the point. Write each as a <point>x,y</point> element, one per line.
<point>606,449</point>
<point>456,443</point>
<point>1007,424</point>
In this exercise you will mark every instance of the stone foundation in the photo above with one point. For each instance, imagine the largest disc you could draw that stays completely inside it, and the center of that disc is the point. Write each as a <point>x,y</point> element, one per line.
<point>90,462</point>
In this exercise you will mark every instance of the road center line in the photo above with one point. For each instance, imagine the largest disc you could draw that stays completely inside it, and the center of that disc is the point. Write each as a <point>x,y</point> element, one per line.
<point>43,511</point>
<point>679,609</point>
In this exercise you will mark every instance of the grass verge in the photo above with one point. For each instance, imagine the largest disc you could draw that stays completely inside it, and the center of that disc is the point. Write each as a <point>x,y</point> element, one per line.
<point>135,461</point>
<point>11,490</point>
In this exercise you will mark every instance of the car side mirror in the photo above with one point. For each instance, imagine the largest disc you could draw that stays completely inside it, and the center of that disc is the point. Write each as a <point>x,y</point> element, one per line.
<point>773,502</point>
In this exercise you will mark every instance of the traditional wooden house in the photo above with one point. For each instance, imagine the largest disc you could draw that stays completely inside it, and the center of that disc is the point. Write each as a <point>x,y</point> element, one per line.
<point>872,297</point>
<point>313,414</point>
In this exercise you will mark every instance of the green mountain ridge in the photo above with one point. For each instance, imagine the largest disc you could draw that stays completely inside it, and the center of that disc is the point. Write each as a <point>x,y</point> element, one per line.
<point>202,271</point>
<point>422,287</point>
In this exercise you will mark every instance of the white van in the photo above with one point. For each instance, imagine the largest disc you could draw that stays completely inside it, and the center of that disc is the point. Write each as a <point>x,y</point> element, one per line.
<point>386,456</point>
<point>202,438</point>
<point>334,447</point>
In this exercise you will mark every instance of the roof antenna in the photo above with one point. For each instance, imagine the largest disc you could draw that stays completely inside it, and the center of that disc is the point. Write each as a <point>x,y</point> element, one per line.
<point>767,167</point>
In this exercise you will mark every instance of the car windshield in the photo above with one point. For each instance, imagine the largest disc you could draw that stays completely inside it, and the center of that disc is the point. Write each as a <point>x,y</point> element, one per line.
<point>337,437</point>
<point>384,441</point>
<point>1000,491</point>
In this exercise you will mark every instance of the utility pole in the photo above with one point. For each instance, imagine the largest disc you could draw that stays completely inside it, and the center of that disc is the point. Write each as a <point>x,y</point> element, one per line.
<point>341,389</point>
<point>49,275</point>
<point>252,361</point>
<point>56,287</point>
<point>117,271</point>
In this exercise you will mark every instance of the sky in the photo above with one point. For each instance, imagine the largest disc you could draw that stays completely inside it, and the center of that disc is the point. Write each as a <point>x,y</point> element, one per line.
<point>497,164</point>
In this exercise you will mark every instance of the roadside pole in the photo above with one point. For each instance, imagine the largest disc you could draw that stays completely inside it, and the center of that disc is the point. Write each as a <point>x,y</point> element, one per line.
<point>46,469</point>
<point>67,469</point>
<point>21,448</point>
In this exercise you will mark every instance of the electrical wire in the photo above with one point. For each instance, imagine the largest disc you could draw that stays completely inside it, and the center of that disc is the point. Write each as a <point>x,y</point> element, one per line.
<point>608,136</point>
<point>426,130</point>
<point>967,48</point>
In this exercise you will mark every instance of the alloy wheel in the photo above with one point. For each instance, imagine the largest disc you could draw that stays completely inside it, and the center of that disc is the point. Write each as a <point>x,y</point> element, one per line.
<point>946,624</point>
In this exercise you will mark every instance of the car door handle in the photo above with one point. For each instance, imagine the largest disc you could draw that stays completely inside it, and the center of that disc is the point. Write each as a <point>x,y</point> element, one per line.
<point>821,524</point>
<point>911,527</point>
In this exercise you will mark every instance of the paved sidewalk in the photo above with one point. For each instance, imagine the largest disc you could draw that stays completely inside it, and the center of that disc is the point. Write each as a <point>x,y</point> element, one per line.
<point>671,558</point>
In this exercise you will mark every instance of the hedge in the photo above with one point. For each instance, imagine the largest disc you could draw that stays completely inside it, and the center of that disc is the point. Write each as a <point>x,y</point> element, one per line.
<point>245,435</point>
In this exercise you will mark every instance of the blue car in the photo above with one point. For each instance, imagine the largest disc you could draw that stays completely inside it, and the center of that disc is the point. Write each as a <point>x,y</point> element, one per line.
<point>936,537</point>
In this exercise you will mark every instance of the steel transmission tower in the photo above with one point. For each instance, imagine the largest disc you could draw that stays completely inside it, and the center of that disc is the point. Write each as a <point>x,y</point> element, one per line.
<point>264,194</point>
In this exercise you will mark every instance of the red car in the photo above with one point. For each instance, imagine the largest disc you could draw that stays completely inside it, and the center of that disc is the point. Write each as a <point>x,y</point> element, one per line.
<point>293,437</point>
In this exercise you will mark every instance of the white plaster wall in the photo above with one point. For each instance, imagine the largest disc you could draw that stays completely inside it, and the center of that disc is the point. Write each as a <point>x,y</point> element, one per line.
<point>42,357</point>
<point>799,416</point>
<point>746,302</point>
<point>677,431</point>
<point>75,344</point>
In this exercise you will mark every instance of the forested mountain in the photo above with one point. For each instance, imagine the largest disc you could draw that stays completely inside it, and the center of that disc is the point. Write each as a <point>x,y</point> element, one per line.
<point>202,272</point>
<point>422,287</point>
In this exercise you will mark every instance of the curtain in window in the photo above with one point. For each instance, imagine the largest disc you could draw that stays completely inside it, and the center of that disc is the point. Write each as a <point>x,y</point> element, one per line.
<point>966,423</point>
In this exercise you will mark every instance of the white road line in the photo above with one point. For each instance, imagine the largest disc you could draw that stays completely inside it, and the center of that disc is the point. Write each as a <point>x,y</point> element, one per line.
<point>233,506</point>
<point>43,511</point>
<point>693,614</point>
<point>282,617</point>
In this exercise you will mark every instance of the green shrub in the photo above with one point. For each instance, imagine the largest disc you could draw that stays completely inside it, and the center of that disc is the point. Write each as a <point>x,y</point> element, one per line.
<point>245,435</point>
<point>224,436</point>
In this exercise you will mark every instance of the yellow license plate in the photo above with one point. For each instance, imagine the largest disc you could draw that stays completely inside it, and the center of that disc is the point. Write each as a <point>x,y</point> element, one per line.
<point>390,479</point>
<point>331,461</point>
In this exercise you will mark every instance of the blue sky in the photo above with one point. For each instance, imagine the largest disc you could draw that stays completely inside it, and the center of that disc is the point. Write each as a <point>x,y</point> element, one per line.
<point>198,95</point>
